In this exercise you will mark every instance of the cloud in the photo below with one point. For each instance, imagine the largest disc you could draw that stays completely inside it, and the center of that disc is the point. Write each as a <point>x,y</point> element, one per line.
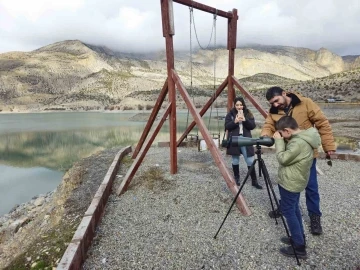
<point>35,9</point>
<point>135,26</point>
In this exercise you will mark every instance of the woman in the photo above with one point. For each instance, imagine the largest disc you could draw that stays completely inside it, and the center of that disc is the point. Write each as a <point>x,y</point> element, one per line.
<point>238,122</point>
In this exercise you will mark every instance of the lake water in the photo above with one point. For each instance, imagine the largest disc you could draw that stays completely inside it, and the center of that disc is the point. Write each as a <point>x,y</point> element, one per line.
<point>15,187</point>
<point>37,148</point>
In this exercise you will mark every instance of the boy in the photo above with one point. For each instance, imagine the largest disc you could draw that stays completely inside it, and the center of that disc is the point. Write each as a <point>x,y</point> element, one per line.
<point>295,158</point>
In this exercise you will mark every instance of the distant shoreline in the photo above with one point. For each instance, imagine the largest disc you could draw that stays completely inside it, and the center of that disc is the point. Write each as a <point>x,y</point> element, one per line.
<point>322,103</point>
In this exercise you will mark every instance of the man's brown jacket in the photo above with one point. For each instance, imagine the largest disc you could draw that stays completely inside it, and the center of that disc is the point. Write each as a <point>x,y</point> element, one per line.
<point>307,114</point>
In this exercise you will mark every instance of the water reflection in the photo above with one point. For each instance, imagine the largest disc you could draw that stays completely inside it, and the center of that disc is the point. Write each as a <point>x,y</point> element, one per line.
<point>59,149</point>
<point>19,185</point>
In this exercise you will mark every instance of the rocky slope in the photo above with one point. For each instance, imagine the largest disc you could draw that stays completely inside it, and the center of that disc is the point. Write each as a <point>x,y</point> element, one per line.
<point>35,235</point>
<point>72,75</point>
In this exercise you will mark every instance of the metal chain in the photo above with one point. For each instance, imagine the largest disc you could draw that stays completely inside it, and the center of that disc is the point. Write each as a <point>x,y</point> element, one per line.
<point>191,71</point>
<point>197,39</point>
<point>216,104</point>
<point>214,96</point>
<point>213,31</point>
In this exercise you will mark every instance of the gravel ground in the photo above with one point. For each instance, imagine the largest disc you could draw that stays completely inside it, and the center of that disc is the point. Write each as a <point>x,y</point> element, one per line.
<point>171,224</point>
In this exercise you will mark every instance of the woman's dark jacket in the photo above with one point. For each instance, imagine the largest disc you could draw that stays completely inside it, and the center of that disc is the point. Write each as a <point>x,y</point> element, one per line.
<point>233,130</point>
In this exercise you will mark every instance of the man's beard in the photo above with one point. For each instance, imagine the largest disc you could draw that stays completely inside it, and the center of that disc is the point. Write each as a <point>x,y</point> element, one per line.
<point>283,105</point>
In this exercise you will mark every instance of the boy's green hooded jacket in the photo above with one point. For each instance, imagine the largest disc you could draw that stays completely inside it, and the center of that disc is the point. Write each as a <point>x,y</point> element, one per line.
<point>295,158</point>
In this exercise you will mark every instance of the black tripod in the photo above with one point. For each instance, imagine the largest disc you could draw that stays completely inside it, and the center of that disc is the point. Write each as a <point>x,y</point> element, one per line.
<point>272,195</point>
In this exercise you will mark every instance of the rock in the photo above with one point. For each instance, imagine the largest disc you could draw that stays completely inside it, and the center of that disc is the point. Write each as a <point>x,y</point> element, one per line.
<point>329,60</point>
<point>30,207</point>
<point>17,224</point>
<point>14,208</point>
<point>39,201</point>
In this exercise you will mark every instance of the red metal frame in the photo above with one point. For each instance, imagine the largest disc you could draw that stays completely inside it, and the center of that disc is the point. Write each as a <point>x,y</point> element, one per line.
<point>169,87</point>
<point>152,118</point>
<point>136,164</point>
<point>203,110</point>
<point>220,162</point>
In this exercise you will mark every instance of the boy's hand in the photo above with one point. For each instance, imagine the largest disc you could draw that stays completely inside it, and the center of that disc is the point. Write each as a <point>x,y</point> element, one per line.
<point>277,135</point>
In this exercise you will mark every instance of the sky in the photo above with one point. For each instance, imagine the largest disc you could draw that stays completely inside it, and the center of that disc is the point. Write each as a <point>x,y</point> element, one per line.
<point>135,25</point>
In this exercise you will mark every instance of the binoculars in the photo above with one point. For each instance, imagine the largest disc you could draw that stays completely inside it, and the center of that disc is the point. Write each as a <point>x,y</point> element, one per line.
<point>245,141</point>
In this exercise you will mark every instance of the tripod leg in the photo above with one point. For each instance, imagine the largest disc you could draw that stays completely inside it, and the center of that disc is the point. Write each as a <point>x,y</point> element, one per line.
<point>241,187</point>
<point>269,187</point>
<point>263,169</point>
<point>259,170</point>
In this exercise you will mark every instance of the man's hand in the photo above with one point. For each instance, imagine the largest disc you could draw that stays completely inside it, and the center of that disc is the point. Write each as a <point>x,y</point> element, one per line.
<point>277,135</point>
<point>328,157</point>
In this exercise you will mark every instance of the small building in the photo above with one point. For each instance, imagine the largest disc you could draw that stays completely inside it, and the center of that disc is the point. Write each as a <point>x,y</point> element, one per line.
<point>330,100</point>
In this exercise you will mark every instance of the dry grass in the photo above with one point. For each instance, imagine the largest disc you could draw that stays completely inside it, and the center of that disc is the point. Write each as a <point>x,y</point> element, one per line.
<point>153,179</point>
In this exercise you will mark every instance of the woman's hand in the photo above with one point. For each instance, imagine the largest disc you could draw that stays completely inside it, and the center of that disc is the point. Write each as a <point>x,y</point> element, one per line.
<point>240,117</point>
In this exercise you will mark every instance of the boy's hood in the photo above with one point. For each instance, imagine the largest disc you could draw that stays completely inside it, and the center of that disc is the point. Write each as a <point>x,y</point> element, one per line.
<point>311,136</point>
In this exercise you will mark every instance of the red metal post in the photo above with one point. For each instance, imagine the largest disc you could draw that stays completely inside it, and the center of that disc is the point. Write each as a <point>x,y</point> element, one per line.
<point>152,118</point>
<point>168,32</point>
<point>232,27</point>
<point>219,160</point>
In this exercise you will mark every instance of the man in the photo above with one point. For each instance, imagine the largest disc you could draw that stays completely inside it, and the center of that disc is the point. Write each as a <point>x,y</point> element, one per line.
<point>307,114</point>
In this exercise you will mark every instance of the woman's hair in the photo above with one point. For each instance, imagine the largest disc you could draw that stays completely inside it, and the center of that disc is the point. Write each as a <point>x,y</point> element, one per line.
<point>246,110</point>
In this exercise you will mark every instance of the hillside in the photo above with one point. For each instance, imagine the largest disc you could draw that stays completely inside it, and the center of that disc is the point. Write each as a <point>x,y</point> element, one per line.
<point>72,75</point>
<point>341,86</point>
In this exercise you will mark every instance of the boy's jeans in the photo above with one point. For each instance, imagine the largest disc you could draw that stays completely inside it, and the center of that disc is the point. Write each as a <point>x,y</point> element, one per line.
<point>312,192</point>
<point>289,206</point>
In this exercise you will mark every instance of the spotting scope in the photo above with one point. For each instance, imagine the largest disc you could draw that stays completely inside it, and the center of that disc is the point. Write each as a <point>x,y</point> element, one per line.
<point>245,141</point>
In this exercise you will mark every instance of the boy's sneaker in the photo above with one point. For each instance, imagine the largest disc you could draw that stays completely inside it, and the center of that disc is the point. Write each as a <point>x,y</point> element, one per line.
<point>289,252</point>
<point>286,240</point>
<point>315,225</point>
<point>275,214</point>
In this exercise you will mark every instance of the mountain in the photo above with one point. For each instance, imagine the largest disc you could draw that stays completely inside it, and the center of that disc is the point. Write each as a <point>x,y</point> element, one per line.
<point>351,61</point>
<point>72,75</point>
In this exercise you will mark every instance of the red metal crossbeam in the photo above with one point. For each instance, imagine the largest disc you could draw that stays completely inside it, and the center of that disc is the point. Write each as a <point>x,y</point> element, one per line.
<point>205,8</point>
